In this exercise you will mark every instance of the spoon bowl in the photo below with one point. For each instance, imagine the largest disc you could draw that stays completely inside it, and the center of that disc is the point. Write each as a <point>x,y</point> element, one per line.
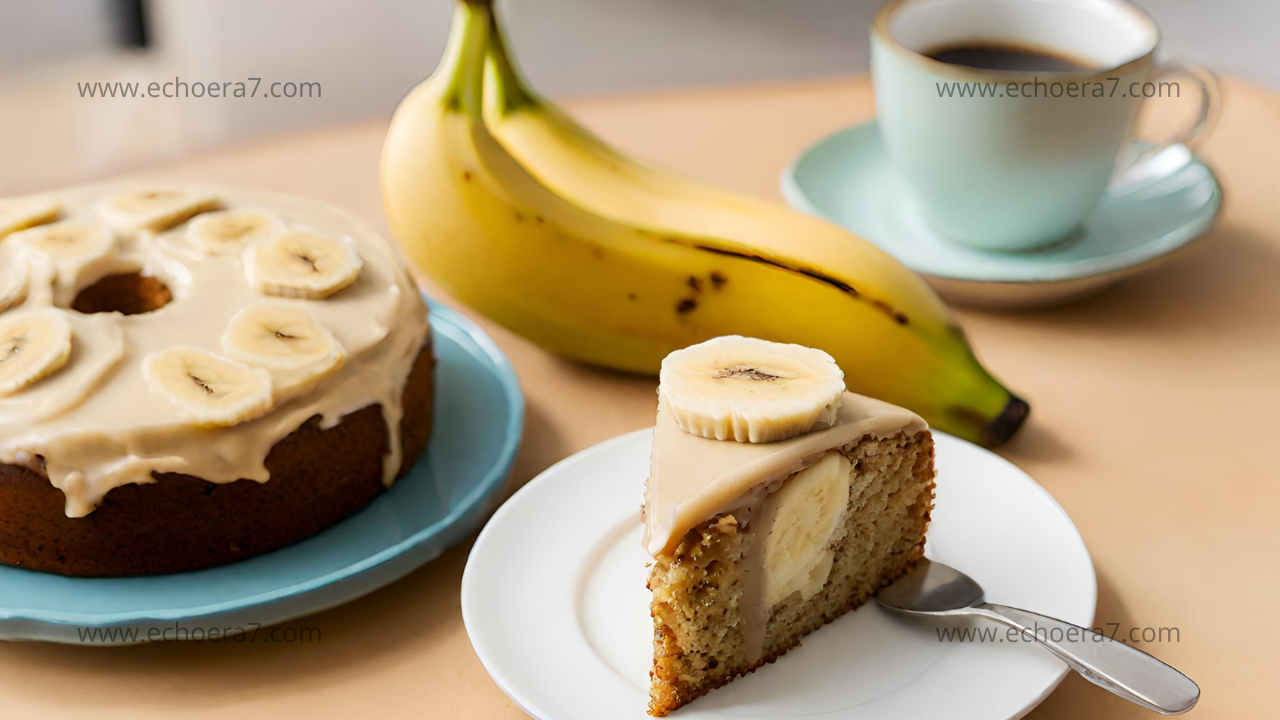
<point>937,590</point>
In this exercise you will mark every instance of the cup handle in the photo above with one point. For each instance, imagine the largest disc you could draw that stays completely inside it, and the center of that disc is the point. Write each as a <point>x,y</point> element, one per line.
<point>1210,104</point>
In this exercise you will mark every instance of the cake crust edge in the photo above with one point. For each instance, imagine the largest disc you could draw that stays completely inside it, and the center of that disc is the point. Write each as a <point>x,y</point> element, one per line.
<point>319,476</point>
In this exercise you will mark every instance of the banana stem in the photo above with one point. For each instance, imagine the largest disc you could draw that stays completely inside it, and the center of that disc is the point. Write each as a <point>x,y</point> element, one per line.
<point>462,69</point>
<point>510,89</point>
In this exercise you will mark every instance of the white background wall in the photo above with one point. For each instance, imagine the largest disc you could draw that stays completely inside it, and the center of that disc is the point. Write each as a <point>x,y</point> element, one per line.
<point>367,53</point>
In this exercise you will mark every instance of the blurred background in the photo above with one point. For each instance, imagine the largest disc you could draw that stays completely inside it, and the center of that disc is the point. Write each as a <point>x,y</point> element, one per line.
<point>363,56</point>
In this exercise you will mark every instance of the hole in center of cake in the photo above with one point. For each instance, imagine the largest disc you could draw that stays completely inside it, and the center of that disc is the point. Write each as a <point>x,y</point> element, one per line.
<point>126,293</point>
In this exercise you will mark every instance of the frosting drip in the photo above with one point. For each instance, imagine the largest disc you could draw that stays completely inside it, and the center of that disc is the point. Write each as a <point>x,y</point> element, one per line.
<point>96,424</point>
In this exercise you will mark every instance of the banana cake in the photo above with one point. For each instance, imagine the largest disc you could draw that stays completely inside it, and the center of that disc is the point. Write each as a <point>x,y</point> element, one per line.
<point>190,377</point>
<point>776,502</point>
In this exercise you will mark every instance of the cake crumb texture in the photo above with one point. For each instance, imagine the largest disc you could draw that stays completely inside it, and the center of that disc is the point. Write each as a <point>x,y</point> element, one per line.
<point>700,592</point>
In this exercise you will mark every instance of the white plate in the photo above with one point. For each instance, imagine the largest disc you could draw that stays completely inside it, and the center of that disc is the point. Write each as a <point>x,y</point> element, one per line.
<point>555,603</point>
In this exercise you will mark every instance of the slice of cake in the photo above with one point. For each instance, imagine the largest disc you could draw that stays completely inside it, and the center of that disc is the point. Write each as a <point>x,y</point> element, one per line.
<point>776,502</point>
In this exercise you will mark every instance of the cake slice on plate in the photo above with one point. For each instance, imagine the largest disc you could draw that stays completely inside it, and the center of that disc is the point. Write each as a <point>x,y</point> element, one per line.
<point>776,502</point>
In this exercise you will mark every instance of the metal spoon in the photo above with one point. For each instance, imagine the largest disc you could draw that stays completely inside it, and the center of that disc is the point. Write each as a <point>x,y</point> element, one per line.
<point>934,589</point>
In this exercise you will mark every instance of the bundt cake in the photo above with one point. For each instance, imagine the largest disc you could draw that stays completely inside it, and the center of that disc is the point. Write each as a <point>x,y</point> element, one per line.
<point>191,377</point>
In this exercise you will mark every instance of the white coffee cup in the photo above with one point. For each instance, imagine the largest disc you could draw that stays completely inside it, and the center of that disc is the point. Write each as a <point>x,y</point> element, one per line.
<point>985,164</point>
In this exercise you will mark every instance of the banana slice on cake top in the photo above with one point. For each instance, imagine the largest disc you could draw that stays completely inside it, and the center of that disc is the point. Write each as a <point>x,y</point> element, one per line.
<point>228,232</point>
<point>79,252</point>
<point>302,264</point>
<point>213,390</point>
<point>132,211</point>
<point>287,341</point>
<point>750,390</point>
<point>21,213</point>
<point>15,276</point>
<point>33,345</point>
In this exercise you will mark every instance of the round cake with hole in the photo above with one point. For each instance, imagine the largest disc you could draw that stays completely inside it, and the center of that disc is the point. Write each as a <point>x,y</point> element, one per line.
<point>193,376</point>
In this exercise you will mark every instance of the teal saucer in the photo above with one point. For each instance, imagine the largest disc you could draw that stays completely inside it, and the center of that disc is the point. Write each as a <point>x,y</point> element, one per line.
<point>479,415</point>
<point>847,178</point>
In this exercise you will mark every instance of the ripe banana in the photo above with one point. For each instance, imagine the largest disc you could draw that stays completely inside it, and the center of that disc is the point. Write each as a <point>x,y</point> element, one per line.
<point>228,232</point>
<point>301,264</point>
<point>750,390</point>
<point>804,518</point>
<point>215,391</point>
<point>287,341</point>
<point>132,211</point>
<point>33,345</point>
<point>624,289</point>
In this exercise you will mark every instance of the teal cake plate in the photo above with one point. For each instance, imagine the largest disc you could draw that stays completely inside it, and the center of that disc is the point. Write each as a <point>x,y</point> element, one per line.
<point>479,416</point>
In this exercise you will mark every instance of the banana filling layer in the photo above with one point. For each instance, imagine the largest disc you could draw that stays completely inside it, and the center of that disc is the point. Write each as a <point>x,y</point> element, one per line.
<point>801,522</point>
<point>281,309</point>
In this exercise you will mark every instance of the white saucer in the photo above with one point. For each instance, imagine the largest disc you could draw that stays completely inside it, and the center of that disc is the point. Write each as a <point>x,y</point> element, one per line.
<point>847,178</point>
<point>555,604</point>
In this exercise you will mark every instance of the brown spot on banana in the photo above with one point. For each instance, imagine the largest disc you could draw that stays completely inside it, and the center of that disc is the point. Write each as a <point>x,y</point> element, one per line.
<point>686,306</point>
<point>893,313</point>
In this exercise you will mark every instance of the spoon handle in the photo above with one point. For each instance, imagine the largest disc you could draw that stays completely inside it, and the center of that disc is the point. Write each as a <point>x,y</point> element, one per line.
<point>1115,666</point>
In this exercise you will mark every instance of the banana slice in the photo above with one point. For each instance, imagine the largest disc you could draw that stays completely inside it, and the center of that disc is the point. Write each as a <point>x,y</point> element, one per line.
<point>750,390</point>
<point>76,249</point>
<point>213,390</point>
<point>301,264</point>
<point>227,232</point>
<point>287,341</point>
<point>33,345</point>
<point>23,212</point>
<point>14,277</point>
<point>97,347</point>
<point>131,211</point>
<point>805,519</point>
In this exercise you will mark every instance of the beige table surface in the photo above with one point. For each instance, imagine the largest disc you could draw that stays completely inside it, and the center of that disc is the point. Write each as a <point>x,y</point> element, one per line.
<point>1156,412</point>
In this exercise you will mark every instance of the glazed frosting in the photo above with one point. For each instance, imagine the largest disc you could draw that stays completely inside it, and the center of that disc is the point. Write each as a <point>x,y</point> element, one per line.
<point>97,426</point>
<point>693,479</point>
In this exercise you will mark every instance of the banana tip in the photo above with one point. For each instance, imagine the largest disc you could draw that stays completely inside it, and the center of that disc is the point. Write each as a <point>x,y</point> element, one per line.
<point>1007,422</point>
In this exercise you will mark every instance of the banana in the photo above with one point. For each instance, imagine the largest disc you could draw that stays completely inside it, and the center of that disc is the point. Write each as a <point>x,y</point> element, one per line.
<point>33,345</point>
<point>21,213</point>
<point>300,264</point>
<point>804,518</point>
<point>289,342</point>
<point>228,232</point>
<point>215,391</point>
<point>77,250</point>
<point>750,390</point>
<point>132,211</point>
<point>625,292</point>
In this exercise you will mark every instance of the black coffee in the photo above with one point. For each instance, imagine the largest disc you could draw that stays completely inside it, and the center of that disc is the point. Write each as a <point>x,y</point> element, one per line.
<point>1015,58</point>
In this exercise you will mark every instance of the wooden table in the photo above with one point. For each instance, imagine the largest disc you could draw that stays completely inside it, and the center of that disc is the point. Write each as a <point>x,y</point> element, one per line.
<point>1156,404</point>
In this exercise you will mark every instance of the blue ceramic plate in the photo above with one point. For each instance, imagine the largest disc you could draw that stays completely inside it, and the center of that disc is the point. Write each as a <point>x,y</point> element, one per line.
<point>847,178</point>
<point>479,416</point>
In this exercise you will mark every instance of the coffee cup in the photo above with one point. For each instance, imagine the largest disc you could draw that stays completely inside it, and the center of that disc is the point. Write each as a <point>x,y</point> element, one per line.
<point>1008,119</point>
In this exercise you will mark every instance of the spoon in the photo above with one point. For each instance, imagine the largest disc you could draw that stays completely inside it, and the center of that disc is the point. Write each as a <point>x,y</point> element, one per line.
<point>932,589</point>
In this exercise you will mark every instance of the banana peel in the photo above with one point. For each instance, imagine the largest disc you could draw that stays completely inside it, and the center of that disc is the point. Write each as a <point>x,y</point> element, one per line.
<point>523,215</point>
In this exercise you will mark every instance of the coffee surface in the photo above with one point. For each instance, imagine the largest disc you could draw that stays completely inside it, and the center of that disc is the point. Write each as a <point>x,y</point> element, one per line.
<point>1015,58</point>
